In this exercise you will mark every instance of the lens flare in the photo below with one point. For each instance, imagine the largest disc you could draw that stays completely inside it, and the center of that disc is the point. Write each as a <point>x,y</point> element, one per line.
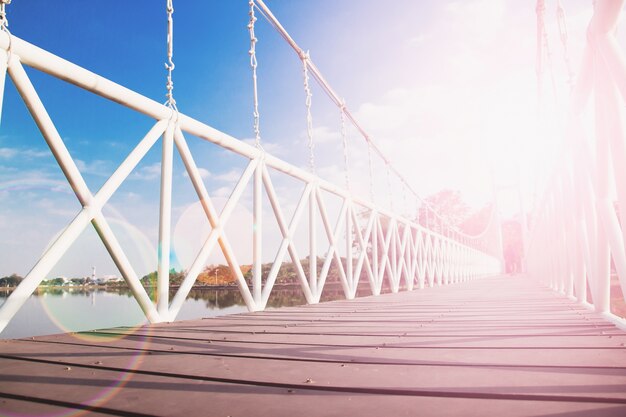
<point>89,250</point>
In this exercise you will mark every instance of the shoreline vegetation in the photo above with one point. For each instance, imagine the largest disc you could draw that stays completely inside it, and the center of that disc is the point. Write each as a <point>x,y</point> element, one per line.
<point>212,277</point>
<point>219,277</point>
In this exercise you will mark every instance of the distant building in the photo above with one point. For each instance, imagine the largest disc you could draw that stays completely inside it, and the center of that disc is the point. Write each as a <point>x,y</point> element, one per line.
<point>108,279</point>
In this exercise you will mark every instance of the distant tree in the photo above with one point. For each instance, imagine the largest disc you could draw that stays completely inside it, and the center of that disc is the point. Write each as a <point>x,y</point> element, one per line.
<point>288,274</point>
<point>219,275</point>
<point>477,221</point>
<point>10,281</point>
<point>448,204</point>
<point>175,277</point>
<point>56,281</point>
<point>150,278</point>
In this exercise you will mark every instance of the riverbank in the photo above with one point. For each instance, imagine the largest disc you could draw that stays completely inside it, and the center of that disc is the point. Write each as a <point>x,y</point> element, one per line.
<point>124,287</point>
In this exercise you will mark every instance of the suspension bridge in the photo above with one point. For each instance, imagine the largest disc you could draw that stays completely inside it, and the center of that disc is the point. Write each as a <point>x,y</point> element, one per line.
<point>452,336</point>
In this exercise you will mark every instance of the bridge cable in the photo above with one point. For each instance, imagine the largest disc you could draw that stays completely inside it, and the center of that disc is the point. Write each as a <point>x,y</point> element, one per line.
<point>253,65</point>
<point>545,43</point>
<point>405,203</point>
<point>371,170</point>
<point>562,24</point>
<point>417,210</point>
<point>539,11</point>
<point>389,187</point>
<point>344,138</point>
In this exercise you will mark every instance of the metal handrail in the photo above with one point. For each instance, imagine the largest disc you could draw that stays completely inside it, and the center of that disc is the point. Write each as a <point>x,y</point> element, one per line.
<point>577,231</point>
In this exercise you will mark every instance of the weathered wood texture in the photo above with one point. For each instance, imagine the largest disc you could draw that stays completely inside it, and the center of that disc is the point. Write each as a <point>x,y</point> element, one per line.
<point>499,346</point>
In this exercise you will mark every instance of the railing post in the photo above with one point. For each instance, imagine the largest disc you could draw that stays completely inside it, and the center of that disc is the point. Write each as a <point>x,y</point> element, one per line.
<point>165,222</point>
<point>602,184</point>
<point>349,272</point>
<point>566,238</point>
<point>257,234</point>
<point>581,259</point>
<point>313,245</point>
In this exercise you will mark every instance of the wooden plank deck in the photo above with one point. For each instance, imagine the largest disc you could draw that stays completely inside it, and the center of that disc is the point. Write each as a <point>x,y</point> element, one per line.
<point>499,346</point>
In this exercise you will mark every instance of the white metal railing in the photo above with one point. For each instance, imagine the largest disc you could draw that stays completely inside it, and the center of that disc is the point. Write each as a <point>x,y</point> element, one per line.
<point>577,230</point>
<point>389,247</point>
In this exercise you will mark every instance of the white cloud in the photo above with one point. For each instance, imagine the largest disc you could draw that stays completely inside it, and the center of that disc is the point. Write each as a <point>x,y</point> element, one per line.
<point>478,14</point>
<point>26,180</point>
<point>432,135</point>
<point>204,173</point>
<point>131,196</point>
<point>231,176</point>
<point>271,148</point>
<point>96,167</point>
<point>324,134</point>
<point>30,153</point>
<point>36,153</point>
<point>147,172</point>
<point>7,153</point>
<point>419,39</point>
<point>57,208</point>
<point>7,170</point>
<point>222,192</point>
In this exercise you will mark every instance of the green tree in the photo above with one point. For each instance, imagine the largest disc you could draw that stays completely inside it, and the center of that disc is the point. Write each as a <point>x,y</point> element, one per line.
<point>151,279</point>
<point>12,280</point>
<point>56,281</point>
<point>449,206</point>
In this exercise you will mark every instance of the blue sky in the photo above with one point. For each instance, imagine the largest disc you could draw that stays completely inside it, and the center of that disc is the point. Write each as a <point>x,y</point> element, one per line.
<point>433,81</point>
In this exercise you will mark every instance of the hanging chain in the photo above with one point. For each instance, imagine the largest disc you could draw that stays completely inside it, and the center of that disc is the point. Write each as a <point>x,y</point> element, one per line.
<point>371,169</point>
<point>562,23</point>
<point>543,50</point>
<point>548,54</point>
<point>305,57</point>
<point>540,11</point>
<point>405,202</point>
<point>344,137</point>
<point>253,65</point>
<point>417,210</point>
<point>389,187</point>
<point>169,65</point>
<point>4,23</point>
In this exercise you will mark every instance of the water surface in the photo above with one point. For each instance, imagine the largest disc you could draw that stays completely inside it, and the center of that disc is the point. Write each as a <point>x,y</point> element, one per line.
<point>61,310</point>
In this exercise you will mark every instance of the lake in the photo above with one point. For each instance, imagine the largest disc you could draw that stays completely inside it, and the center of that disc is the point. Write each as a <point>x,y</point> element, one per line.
<point>60,310</point>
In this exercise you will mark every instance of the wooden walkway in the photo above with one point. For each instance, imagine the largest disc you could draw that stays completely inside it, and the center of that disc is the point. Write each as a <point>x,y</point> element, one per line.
<point>501,347</point>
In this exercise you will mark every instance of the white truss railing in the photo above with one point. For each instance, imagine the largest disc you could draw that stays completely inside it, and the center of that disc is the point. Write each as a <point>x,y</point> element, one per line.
<point>488,241</point>
<point>577,228</point>
<point>389,247</point>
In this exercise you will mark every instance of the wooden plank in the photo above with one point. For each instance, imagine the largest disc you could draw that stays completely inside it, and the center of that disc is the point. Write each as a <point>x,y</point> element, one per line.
<point>489,347</point>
